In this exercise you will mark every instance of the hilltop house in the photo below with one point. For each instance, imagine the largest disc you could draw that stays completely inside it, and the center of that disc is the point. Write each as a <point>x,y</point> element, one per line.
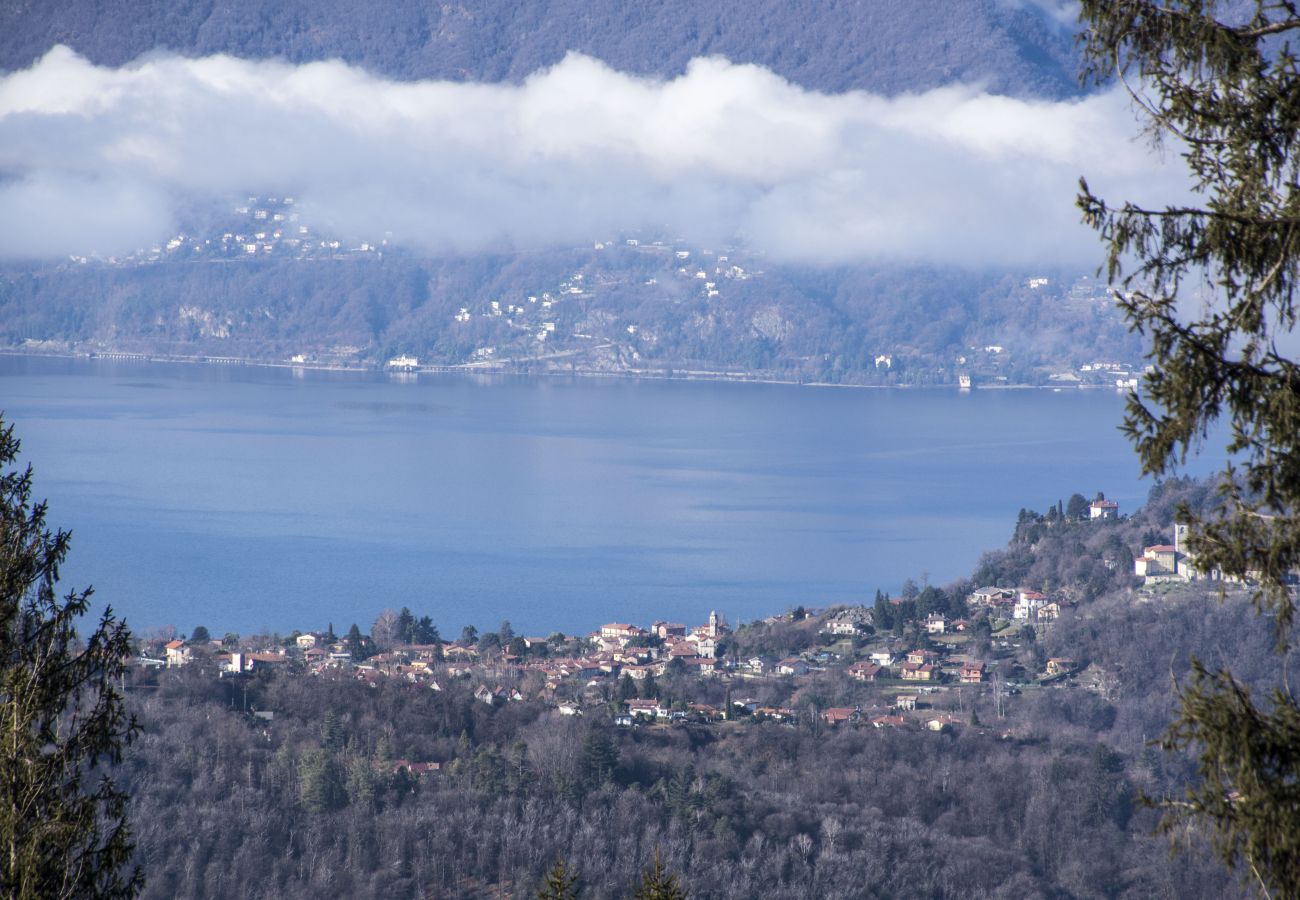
<point>1103,509</point>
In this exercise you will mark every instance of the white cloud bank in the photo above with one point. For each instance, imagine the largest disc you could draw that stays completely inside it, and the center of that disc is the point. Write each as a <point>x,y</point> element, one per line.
<point>99,160</point>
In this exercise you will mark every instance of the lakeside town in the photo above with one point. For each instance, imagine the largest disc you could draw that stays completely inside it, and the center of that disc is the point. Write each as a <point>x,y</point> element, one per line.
<point>918,661</point>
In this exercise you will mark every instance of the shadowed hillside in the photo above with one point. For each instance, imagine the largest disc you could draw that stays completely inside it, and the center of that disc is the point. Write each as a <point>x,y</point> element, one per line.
<point>889,46</point>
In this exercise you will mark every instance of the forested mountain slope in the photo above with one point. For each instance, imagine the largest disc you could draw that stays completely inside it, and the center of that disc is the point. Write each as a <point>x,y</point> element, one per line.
<point>621,309</point>
<point>890,46</point>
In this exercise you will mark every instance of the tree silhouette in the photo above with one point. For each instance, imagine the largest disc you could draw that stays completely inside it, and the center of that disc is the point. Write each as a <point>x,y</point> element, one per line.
<point>63,827</point>
<point>657,883</point>
<point>561,883</point>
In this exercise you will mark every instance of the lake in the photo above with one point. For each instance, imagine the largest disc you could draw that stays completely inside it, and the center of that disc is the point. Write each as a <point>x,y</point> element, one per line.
<point>257,499</point>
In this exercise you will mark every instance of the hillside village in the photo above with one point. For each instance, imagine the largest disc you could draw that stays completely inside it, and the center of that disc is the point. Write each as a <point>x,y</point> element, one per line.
<point>1010,714</point>
<point>918,661</point>
<point>264,282</point>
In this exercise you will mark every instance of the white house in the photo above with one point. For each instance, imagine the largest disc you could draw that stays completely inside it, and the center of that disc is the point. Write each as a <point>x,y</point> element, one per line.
<point>1103,509</point>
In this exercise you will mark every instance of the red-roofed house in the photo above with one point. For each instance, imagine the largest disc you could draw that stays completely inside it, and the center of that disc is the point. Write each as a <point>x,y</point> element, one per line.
<point>864,671</point>
<point>1158,563</point>
<point>699,665</point>
<point>1060,666</point>
<point>177,653</point>
<point>837,714</point>
<point>913,672</point>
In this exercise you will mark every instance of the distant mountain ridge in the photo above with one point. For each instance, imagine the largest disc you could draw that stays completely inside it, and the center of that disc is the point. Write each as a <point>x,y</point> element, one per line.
<point>888,47</point>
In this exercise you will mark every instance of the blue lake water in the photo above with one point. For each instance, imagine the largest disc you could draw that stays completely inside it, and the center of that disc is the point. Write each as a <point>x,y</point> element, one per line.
<point>250,499</point>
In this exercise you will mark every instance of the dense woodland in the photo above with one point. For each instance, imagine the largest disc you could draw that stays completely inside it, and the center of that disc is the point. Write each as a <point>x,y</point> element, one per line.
<point>1035,793</point>
<point>901,45</point>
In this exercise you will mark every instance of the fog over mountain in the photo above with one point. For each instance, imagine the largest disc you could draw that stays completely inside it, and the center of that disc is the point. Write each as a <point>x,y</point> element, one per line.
<point>100,160</point>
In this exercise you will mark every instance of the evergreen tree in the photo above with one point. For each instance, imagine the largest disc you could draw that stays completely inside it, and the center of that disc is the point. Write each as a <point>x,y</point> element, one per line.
<point>404,631</point>
<point>1077,507</point>
<point>332,731</point>
<point>561,883</point>
<point>657,883</point>
<point>361,787</point>
<point>427,633</point>
<point>320,781</point>
<point>1224,84</point>
<point>352,643</point>
<point>599,757</point>
<point>883,614</point>
<point>63,828</point>
<point>200,636</point>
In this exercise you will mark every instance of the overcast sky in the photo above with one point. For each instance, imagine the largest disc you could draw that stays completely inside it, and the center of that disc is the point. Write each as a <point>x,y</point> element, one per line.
<point>100,160</point>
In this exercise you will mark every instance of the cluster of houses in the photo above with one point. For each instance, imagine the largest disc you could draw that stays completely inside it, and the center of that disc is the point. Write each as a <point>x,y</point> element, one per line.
<point>577,675</point>
<point>263,226</point>
<point>615,649</point>
<point>523,316</point>
<point>1017,604</point>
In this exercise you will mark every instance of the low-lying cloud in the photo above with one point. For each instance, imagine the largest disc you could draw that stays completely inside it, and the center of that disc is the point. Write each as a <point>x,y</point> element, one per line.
<point>101,160</point>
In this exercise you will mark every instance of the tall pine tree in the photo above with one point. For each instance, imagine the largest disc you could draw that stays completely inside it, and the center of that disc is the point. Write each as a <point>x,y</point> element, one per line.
<point>63,723</point>
<point>1212,283</point>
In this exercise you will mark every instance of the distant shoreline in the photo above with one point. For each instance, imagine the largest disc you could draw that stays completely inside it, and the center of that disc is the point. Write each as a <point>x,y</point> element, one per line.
<point>494,369</point>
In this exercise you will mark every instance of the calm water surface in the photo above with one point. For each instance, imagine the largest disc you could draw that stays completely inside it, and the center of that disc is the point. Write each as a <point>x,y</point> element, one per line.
<point>247,499</point>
